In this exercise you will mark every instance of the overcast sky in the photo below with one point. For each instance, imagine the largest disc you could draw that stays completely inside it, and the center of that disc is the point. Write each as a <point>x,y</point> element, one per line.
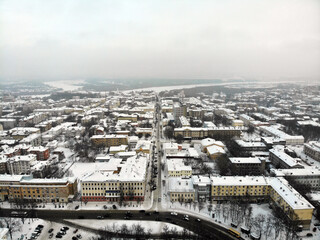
<point>72,39</point>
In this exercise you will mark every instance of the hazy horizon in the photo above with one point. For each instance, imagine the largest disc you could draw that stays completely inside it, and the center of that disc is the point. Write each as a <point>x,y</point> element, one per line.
<point>60,40</point>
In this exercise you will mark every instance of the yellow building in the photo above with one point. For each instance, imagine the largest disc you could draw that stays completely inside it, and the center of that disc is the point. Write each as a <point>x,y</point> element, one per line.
<point>181,190</point>
<point>237,123</point>
<point>27,189</point>
<point>132,118</point>
<point>283,196</point>
<point>227,188</point>
<point>189,132</point>
<point>176,168</point>
<point>109,140</point>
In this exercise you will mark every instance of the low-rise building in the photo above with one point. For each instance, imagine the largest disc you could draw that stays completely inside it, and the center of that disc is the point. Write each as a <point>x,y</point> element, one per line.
<point>121,181</point>
<point>290,140</point>
<point>184,121</point>
<point>283,196</point>
<point>247,165</point>
<point>215,151</point>
<point>117,149</point>
<point>21,164</point>
<point>207,142</point>
<point>312,149</point>
<point>202,188</point>
<point>42,153</point>
<point>306,176</point>
<point>292,204</point>
<point>170,148</point>
<point>244,146</point>
<point>33,140</point>
<point>177,168</point>
<point>237,123</point>
<point>282,160</point>
<point>25,188</point>
<point>181,190</point>
<point>143,146</point>
<point>109,140</point>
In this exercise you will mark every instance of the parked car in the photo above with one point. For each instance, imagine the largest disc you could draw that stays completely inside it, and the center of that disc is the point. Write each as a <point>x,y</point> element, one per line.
<point>50,230</point>
<point>77,207</point>
<point>114,206</point>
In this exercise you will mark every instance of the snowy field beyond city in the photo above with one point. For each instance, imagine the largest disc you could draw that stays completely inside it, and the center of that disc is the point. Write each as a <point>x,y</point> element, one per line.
<point>66,85</point>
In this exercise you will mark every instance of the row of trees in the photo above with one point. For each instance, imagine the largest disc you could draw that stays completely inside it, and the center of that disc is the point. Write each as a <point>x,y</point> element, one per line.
<point>271,226</point>
<point>137,231</point>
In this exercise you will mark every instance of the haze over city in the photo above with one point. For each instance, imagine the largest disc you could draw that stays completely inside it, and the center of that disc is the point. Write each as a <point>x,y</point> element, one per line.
<point>58,40</point>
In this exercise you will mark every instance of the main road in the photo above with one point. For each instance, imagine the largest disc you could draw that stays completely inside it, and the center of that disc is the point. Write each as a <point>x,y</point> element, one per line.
<point>201,226</point>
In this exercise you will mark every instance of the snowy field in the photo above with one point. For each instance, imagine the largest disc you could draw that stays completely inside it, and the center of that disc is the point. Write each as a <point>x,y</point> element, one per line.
<point>66,85</point>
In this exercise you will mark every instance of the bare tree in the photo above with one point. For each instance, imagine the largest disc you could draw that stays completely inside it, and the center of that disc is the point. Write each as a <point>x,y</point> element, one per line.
<point>124,229</point>
<point>268,226</point>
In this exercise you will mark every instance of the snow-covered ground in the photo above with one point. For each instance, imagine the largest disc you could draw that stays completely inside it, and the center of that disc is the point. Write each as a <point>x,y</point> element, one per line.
<point>29,226</point>
<point>306,159</point>
<point>66,85</point>
<point>111,225</point>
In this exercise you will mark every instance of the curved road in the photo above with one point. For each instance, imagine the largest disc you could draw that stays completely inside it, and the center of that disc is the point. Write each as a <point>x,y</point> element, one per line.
<point>204,228</point>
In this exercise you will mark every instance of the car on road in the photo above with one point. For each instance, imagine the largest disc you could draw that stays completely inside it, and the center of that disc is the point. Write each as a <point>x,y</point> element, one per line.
<point>59,235</point>
<point>99,217</point>
<point>142,211</point>
<point>129,214</point>
<point>148,214</point>
<point>106,215</point>
<point>126,217</point>
<point>174,213</point>
<point>186,217</point>
<point>156,212</point>
<point>198,220</point>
